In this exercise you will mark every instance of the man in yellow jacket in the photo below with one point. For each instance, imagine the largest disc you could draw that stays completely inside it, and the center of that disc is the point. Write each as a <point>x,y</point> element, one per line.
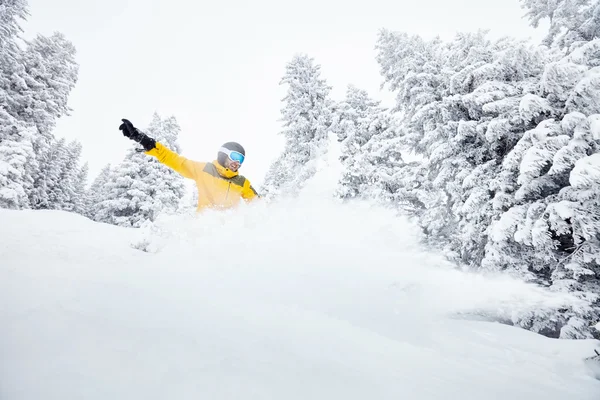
<point>219,183</point>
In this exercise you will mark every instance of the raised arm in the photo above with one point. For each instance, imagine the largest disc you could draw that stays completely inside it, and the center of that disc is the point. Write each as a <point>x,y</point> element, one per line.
<point>178,163</point>
<point>182,165</point>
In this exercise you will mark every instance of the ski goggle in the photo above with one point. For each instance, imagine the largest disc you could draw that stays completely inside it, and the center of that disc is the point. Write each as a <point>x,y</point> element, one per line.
<point>233,155</point>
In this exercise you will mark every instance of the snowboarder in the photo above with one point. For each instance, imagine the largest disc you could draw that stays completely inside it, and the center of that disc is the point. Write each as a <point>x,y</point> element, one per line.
<point>219,183</point>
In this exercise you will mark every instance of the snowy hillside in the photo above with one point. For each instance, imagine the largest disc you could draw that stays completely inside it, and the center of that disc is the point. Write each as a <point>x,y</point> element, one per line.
<point>306,299</point>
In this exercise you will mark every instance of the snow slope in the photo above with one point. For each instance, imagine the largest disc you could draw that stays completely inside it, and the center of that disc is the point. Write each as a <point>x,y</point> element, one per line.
<point>304,299</point>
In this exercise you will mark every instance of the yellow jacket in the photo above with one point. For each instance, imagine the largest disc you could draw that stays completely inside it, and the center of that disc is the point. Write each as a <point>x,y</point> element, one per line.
<point>218,186</point>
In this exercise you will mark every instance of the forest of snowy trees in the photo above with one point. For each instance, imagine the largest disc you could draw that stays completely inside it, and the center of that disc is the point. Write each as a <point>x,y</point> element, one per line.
<point>36,170</point>
<point>39,170</point>
<point>506,134</point>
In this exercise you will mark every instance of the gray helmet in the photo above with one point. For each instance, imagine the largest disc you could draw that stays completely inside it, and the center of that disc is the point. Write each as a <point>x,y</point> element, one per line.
<point>233,146</point>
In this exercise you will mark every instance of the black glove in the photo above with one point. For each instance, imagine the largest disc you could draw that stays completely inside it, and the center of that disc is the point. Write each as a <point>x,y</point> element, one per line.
<point>136,135</point>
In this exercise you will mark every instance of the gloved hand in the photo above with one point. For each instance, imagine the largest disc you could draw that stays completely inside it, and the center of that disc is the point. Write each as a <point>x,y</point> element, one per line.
<point>136,135</point>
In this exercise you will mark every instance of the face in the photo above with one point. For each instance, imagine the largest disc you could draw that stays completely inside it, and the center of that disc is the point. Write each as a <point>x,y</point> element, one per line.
<point>232,165</point>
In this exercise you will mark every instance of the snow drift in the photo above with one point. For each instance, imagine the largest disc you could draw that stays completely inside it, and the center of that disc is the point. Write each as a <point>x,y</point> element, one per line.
<point>304,298</point>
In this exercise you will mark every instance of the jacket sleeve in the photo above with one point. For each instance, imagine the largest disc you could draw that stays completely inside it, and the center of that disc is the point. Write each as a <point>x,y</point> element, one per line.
<point>178,163</point>
<point>248,191</point>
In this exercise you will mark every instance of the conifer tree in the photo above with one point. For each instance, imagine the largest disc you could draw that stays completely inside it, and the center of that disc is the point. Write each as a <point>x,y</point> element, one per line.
<point>17,157</point>
<point>307,117</point>
<point>97,192</point>
<point>370,159</point>
<point>51,74</point>
<point>34,86</point>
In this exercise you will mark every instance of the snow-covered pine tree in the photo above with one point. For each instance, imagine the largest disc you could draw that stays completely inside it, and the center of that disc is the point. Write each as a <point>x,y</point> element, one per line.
<point>80,200</point>
<point>51,74</point>
<point>64,185</point>
<point>140,188</point>
<point>307,117</point>
<point>11,68</point>
<point>548,227</point>
<point>457,102</point>
<point>501,126</point>
<point>34,86</point>
<point>571,21</point>
<point>349,126</point>
<point>17,158</point>
<point>416,70</point>
<point>55,161</point>
<point>97,192</point>
<point>370,149</point>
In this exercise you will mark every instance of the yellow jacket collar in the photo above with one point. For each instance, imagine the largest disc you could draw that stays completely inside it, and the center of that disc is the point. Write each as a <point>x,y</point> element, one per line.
<point>224,172</point>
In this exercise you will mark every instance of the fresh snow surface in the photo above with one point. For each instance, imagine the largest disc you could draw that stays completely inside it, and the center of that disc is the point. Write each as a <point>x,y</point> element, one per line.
<point>300,299</point>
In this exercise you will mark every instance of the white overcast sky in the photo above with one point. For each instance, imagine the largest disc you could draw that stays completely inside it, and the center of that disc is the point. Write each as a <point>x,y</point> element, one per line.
<point>216,65</point>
